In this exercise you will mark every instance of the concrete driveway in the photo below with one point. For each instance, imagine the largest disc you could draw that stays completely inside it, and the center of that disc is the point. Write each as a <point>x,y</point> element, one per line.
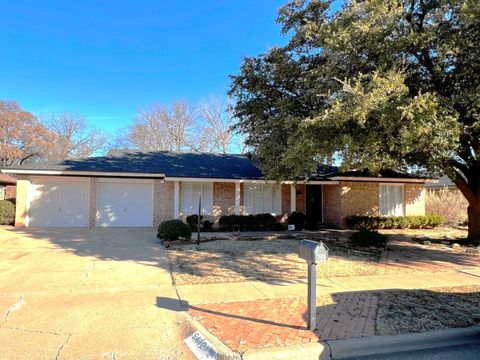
<point>87,294</point>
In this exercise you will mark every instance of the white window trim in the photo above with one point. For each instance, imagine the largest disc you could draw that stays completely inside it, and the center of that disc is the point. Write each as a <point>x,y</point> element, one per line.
<point>403,197</point>
<point>182,192</point>
<point>277,200</point>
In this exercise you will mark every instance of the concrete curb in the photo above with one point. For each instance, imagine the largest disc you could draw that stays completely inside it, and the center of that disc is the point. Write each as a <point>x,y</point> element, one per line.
<point>378,345</point>
<point>375,345</point>
<point>223,352</point>
<point>309,351</point>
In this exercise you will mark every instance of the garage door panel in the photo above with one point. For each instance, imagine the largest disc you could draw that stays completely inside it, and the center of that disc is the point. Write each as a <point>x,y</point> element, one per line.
<point>125,204</point>
<point>59,204</point>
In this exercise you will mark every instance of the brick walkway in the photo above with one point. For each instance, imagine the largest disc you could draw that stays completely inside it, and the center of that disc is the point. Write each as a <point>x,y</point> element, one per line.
<point>279,322</point>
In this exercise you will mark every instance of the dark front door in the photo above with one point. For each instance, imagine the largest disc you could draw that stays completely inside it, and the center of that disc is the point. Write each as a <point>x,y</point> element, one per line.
<point>314,204</point>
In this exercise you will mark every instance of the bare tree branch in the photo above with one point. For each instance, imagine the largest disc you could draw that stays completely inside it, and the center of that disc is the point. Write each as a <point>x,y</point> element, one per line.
<point>73,137</point>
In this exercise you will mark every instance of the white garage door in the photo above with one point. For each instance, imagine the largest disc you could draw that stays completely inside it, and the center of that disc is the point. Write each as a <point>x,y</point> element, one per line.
<point>124,202</point>
<point>59,204</point>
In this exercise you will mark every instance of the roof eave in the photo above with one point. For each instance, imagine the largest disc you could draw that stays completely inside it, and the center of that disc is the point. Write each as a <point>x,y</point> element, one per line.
<point>82,173</point>
<point>380,179</point>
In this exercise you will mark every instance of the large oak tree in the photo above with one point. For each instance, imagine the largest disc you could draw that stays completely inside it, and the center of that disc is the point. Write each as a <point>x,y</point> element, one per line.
<point>375,84</point>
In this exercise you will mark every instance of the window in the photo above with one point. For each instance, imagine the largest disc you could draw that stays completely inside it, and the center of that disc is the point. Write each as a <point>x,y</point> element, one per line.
<point>391,200</point>
<point>190,194</point>
<point>262,198</point>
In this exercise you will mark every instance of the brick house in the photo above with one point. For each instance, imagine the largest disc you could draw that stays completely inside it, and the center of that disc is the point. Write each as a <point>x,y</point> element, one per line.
<point>132,188</point>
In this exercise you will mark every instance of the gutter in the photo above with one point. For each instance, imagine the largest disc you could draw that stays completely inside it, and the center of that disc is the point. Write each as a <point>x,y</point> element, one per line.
<point>83,173</point>
<point>380,179</point>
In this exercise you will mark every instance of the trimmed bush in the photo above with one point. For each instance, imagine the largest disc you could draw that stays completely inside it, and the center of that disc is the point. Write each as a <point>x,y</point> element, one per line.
<point>192,221</point>
<point>298,219</point>
<point>368,237</point>
<point>265,221</point>
<point>173,229</point>
<point>247,222</point>
<point>393,222</point>
<point>207,225</point>
<point>7,212</point>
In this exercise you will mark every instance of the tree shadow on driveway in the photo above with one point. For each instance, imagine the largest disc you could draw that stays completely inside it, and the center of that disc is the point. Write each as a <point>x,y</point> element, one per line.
<point>270,261</point>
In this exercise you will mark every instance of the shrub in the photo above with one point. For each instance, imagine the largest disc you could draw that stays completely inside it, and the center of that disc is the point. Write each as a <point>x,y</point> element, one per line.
<point>7,212</point>
<point>450,204</point>
<point>174,229</point>
<point>298,219</point>
<point>192,221</point>
<point>393,222</point>
<point>434,220</point>
<point>247,222</point>
<point>368,237</point>
<point>207,225</point>
<point>264,221</point>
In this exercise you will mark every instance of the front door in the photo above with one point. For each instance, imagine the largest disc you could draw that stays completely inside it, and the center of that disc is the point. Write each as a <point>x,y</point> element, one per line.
<point>314,204</point>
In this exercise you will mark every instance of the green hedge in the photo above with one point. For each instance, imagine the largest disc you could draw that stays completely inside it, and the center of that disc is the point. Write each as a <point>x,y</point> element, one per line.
<point>248,222</point>
<point>173,229</point>
<point>394,222</point>
<point>367,237</point>
<point>7,212</point>
<point>298,219</point>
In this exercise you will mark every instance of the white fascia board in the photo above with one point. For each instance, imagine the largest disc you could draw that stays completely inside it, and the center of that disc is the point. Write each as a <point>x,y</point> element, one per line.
<point>375,179</point>
<point>251,181</point>
<point>192,179</point>
<point>322,182</point>
<point>82,173</point>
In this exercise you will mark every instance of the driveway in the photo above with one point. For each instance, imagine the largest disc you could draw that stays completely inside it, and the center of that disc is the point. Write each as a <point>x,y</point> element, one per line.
<point>86,294</point>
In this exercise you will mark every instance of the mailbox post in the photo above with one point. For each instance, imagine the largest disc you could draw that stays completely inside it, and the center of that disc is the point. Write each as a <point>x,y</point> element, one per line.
<point>313,253</point>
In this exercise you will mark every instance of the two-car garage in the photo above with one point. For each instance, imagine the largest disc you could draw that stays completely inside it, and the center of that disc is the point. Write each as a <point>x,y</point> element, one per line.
<point>73,201</point>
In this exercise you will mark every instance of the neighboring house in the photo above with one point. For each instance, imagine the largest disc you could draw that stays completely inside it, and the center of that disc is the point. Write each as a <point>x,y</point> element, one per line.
<point>443,182</point>
<point>130,188</point>
<point>7,187</point>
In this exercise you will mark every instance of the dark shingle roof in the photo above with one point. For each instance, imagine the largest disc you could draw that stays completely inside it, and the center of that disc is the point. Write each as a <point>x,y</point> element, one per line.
<point>192,165</point>
<point>199,165</point>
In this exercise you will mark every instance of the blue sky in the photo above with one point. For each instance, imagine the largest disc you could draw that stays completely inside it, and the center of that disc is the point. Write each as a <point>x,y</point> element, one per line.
<point>106,59</point>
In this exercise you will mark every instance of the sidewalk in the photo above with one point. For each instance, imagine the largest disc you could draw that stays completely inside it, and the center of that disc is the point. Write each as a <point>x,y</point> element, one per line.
<point>257,316</point>
<point>257,290</point>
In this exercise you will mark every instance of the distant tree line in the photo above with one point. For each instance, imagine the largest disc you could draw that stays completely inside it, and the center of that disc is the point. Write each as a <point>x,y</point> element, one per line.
<point>26,138</point>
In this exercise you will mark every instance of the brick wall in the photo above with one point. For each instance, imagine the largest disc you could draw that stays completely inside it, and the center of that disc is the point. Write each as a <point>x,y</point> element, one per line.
<point>359,198</point>
<point>10,192</point>
<point>332,205</point>
<point>163,198</point>
<point>223,199</point>
<point>362,198</point>
<point>301,198</point>
<point>414,198</point>
<point>286,190</point>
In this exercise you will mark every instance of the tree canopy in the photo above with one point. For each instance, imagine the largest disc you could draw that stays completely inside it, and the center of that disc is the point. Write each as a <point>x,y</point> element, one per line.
<point>22,137</point>
<point>376,84</point>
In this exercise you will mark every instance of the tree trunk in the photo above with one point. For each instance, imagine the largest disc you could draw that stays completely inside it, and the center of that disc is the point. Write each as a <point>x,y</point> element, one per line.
<point>474,221</point>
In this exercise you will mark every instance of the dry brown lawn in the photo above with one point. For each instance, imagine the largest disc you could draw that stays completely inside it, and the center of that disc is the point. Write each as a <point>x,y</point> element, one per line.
<point>268,260</point>
<point>407,311</point>
<point>439,233</point>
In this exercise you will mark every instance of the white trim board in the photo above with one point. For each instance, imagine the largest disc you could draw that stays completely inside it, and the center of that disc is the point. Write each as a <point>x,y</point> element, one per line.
<point>82,173</point>
<point>375,179</point>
